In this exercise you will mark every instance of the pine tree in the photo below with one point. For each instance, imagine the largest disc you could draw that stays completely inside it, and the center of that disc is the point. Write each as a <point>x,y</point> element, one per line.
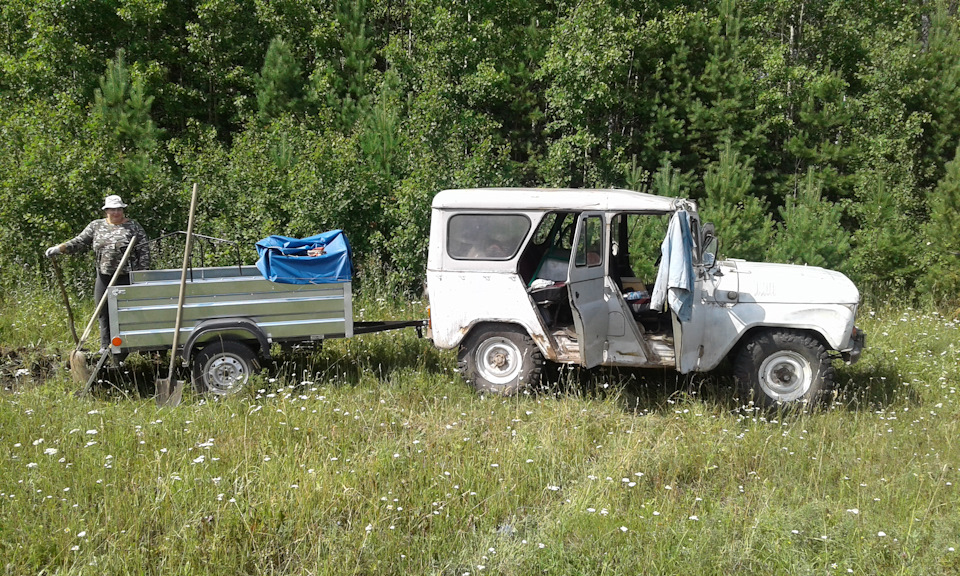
<point>809,231</point>
<point>121,108</point>
<point>823,140</point>
<point>723,106</point>
<point>886,246</point>
<point>636,177</point>
<point>348,89</point>
<point>942,234</point>
<point>941,87</point>
<point>280,84</point>
<point>381,136</point>
<point>667,181</point>
<point>741,218</point>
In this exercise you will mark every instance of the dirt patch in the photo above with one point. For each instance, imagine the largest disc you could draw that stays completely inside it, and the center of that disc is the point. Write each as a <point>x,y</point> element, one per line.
<point>22,367</point>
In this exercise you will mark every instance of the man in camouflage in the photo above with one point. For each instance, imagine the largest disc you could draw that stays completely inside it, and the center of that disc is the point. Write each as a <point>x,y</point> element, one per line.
<point>109,238</point>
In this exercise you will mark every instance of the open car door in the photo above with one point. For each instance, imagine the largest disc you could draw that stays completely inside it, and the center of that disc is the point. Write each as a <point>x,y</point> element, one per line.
<point>585,278</point>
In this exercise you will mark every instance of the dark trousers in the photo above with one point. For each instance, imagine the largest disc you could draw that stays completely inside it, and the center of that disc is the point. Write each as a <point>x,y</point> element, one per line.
<point>103,280</point>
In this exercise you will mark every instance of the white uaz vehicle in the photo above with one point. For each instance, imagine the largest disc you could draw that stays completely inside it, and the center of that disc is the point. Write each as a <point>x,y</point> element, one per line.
<point>520,277</point>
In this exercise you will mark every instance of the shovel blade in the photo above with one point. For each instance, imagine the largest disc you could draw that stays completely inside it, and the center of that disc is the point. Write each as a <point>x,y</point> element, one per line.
<point>176,394</point>
<point>79,370</point>
<point>163,391</point>
<point>93,375</point>
<point>169,392</point>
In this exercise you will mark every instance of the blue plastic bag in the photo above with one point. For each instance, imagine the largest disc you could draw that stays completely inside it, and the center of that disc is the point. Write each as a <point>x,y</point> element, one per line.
<point>321,259</point>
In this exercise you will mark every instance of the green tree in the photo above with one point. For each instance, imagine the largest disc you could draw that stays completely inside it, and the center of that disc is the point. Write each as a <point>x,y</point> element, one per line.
<point>347,80</point>
<point>667,181</point>
<point>742,219</point>
<point>722,107</point>
<point>886,246</point>
<point>280,85</point>
<point>941,277</point>
<point>121,111</point>
<point>122,106</point>
<point>809,230</point>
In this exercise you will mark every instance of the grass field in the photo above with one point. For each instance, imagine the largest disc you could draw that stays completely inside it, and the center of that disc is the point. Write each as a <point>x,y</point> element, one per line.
<point>372,457</point>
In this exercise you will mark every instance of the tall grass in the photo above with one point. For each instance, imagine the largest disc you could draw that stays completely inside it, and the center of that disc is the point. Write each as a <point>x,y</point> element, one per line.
<point>371,456</point>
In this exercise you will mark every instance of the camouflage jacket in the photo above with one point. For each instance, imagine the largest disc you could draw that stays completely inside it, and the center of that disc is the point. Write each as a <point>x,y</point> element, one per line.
<point>109,242</point>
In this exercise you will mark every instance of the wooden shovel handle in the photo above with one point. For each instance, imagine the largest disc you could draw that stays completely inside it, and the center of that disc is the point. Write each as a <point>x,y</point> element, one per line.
<point>106,292</point>
<point>66,300</point>
<point>183,284</point>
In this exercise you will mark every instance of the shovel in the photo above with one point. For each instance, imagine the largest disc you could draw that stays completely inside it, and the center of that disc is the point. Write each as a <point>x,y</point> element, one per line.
<point>78,360</point>
<point>165,395</point>
<point>66,301</point>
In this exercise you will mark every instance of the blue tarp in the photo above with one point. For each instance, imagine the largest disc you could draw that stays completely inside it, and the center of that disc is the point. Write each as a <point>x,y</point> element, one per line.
<point>286,260</point>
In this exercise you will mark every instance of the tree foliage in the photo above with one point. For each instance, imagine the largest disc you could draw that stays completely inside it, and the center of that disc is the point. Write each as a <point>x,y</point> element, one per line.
<point>731,204</point>
<point>833,121</point>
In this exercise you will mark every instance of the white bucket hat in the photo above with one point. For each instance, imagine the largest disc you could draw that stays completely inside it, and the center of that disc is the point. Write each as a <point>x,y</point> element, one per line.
<point>113,201</point>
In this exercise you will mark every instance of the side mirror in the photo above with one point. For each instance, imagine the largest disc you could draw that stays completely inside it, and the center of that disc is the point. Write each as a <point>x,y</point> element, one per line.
<point>709,245</point>
<point>707,234</point>
<point>708,259</point>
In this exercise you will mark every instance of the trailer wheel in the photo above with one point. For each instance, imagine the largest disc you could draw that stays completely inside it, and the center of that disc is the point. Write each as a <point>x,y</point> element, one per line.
<point>783,366</point>
<point>223,367</point>
<point>500,359</point>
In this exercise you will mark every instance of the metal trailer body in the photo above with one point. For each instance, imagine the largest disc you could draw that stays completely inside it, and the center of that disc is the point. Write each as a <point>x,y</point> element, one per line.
<point>231,317</point>
<point>225,302</point>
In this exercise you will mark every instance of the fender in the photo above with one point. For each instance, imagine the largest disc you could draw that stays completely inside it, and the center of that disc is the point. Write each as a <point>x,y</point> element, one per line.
<point>222,325</point>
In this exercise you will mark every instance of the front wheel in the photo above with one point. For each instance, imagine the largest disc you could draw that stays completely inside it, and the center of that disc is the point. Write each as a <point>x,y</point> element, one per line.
<point>223,367</point>
<point>784,366</point>
<point>500,359</point>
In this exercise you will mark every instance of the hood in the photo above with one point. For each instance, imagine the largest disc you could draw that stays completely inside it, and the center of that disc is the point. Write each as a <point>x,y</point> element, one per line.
<point>789,283</point>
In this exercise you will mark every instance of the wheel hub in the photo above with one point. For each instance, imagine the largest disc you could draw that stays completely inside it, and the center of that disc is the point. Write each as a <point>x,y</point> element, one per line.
<point>498,360</point>
<point>786,376</point>
<point>225,373</point>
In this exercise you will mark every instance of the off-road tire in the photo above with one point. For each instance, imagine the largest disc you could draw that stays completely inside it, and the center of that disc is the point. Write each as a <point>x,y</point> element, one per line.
<point>500,359</point>
<point>784,367</point>
<point>223,367</point>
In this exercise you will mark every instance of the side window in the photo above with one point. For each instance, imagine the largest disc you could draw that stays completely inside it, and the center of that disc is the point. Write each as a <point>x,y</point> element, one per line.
<point>590,245</point>
<point>645,233</point>
<point>486,236</point>
<point>542,234</point>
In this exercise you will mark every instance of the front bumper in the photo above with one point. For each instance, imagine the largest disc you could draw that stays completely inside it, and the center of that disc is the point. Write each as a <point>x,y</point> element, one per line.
<point>859,341</point>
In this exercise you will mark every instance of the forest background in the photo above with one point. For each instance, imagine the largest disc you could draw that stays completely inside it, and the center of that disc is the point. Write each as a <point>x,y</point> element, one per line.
<point>818,132</point>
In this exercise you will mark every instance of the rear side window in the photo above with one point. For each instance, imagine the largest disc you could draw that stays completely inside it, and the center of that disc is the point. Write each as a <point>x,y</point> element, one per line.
<point>486,236</point>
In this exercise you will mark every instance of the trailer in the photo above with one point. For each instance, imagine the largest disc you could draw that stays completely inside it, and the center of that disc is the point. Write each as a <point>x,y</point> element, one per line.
<point>232,316</point>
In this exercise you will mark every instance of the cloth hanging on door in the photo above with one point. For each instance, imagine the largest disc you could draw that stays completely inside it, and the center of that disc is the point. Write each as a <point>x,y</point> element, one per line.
<point>674,284</point>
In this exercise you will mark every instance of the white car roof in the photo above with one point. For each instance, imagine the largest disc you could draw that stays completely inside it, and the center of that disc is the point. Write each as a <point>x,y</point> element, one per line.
<point>572,199</point>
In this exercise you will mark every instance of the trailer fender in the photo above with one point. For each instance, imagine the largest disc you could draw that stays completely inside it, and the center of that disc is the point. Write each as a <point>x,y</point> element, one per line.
<point>203,330</point>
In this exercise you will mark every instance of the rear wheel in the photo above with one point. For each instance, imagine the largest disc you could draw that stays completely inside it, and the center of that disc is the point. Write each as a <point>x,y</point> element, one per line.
<point>223,367</point>
<point>784,366</point>
<point>500,359</point>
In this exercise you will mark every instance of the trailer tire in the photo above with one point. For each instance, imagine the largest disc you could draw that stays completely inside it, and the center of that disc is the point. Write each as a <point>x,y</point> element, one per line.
<point>784,367</point>
<point>223,367</point>
<point>500,359</point>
